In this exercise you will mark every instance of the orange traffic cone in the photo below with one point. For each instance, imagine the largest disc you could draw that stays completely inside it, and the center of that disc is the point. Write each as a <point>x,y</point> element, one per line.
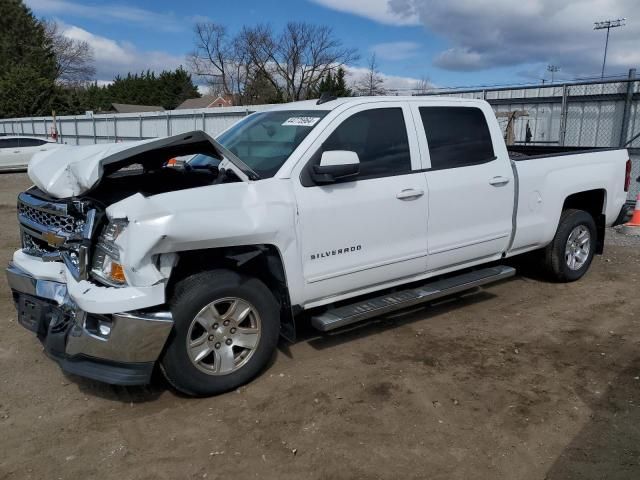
<point>632,227</point>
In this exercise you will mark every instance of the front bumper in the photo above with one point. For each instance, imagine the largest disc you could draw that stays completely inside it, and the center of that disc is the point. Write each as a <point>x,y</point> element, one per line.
<point>116,348</point>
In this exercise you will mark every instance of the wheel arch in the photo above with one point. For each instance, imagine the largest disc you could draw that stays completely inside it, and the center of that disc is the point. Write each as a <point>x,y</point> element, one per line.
<point>593,202</point>
<point>262,261</point>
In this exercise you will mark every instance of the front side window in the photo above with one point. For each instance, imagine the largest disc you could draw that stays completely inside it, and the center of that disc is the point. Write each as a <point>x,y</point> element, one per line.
<point>378,136</point>
<point>264,141</point>
<point>457,136</point>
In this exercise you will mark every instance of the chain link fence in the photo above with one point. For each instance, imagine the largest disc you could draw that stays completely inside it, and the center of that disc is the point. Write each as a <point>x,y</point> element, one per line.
<point>580,114</point>
<point>123,127</point>
<point>602,114</point>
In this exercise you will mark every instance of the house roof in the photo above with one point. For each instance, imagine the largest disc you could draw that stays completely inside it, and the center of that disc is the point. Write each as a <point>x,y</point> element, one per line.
<point>128,108</point>
<point>202,102</point>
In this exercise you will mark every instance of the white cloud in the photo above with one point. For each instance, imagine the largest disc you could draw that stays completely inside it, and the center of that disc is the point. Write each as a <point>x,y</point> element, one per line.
<point>396,50</point>
<point>119,58</point>
<point>392,83</point>
<point>497,33</point>
<point>377,10</point>
<point>110,13</point>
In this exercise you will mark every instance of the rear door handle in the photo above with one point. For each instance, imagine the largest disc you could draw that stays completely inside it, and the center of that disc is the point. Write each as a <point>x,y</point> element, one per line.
<point>498,181</point>
<point>410,194</point>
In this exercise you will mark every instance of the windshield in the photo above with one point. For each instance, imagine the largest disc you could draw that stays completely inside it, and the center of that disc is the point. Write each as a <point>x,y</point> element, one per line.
<point>264,141</point>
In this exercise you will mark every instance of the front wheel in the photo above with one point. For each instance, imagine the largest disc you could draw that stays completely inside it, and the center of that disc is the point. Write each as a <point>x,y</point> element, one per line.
<point>226,328</point>
<point>568,257</point>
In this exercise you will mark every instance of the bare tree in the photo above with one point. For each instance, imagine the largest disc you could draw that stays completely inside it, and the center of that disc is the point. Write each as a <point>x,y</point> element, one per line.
<point>371,83</point>
<point>295,60</point>
<point>212,58</point>
<point>74,58</point>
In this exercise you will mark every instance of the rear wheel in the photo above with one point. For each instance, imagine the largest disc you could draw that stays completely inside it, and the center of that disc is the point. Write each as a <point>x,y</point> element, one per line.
<point>226,330</point>
<point>568,257</point>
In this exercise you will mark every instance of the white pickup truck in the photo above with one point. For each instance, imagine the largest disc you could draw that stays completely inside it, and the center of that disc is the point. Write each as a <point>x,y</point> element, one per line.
<point>330,211</point>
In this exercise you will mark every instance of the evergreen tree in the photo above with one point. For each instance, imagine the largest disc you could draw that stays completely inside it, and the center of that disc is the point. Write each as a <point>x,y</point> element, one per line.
<point>259,90</point>
<point>340,84</point>
<point>333,84</point>
<point>27,63</point>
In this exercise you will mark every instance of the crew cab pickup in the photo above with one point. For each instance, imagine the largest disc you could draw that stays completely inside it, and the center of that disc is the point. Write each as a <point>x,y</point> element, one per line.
<point>330,211</point>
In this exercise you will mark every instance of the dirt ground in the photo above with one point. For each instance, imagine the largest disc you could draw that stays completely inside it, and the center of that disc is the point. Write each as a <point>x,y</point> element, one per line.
<point>522,380</point>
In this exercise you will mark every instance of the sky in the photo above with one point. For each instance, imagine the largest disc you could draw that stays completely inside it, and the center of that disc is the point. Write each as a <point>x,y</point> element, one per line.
<point>452,43</point>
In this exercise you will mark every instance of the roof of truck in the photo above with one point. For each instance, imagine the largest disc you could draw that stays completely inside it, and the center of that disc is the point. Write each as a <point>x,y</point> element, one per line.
<point>332,104</point>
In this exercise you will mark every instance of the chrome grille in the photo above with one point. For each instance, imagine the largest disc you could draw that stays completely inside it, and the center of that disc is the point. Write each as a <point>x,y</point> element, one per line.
<point>57,231</point>
<point>34,246</point>
<point>45,225</point>
<point>55,222</point>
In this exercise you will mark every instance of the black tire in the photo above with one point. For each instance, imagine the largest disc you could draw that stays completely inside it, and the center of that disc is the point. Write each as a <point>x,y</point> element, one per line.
<point>191,296</point>
<point>554,260</point>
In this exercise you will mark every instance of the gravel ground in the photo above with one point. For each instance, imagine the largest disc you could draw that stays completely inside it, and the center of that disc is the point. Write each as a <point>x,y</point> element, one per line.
<point>524,379</point>
<point>615,237</point>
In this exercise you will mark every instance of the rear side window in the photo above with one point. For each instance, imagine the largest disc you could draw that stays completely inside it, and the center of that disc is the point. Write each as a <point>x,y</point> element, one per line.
<point>457,136</point>
<point>378,136</point>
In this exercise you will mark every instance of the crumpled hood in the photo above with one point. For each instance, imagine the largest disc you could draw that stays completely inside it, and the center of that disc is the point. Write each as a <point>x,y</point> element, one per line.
<point>70,171</point>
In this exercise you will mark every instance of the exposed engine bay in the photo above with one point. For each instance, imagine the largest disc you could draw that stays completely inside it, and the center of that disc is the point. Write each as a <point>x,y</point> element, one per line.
<point>123,183</point>
<point>99,170</point>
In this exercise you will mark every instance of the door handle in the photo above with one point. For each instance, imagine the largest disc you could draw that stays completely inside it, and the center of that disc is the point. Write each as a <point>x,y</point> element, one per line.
<point>498,181</point>
<point>410,194</point>
<point>16,151</point>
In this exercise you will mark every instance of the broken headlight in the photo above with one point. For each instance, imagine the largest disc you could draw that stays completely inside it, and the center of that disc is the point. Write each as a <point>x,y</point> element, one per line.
<point>106,266</point>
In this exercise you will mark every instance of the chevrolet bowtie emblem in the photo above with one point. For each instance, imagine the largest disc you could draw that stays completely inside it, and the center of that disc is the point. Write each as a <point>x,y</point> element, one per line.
<point>52,239</point>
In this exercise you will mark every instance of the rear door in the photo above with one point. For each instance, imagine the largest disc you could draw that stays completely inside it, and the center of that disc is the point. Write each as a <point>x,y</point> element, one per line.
<point>471,186</point>
<point>369,229</point>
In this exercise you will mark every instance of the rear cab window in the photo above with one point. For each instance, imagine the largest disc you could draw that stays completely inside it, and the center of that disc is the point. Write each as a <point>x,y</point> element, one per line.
<point>456,136</point>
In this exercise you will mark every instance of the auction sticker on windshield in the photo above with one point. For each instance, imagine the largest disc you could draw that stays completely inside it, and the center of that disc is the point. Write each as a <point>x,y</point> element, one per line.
<point>301,122</point>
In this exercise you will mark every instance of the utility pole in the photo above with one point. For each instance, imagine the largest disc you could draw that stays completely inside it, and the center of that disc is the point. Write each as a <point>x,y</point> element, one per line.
<point>553,69</point>
<point>608,25</point>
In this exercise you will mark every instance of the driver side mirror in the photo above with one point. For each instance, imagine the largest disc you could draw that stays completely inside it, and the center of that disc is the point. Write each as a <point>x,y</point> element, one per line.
<point>335,165</point>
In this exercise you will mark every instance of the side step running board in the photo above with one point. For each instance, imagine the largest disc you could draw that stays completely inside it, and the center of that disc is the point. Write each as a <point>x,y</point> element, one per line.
<point>356,312</point>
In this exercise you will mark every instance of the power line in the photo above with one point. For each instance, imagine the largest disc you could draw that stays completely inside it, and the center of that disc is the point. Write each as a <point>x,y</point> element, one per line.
<point>614,76</point>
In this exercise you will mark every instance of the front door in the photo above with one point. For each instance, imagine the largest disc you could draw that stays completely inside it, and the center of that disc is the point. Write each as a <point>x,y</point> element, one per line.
<point>368,229</point>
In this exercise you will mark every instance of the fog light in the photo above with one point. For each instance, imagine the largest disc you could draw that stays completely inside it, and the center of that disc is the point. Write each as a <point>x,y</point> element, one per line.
<point>99,326</point>
<point>104,329</point>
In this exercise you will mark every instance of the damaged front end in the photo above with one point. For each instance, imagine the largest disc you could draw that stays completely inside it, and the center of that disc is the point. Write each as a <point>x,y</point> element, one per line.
<point>59,299</point>
<point>57,231</point>
<point>68,280</point>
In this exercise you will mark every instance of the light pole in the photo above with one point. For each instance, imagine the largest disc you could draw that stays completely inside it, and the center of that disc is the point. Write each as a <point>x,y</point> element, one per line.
<point>608,25</point>
<point>553,69</point>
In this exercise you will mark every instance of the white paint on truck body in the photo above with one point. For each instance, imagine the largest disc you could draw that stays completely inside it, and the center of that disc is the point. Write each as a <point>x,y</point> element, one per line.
<point>341,240</point>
